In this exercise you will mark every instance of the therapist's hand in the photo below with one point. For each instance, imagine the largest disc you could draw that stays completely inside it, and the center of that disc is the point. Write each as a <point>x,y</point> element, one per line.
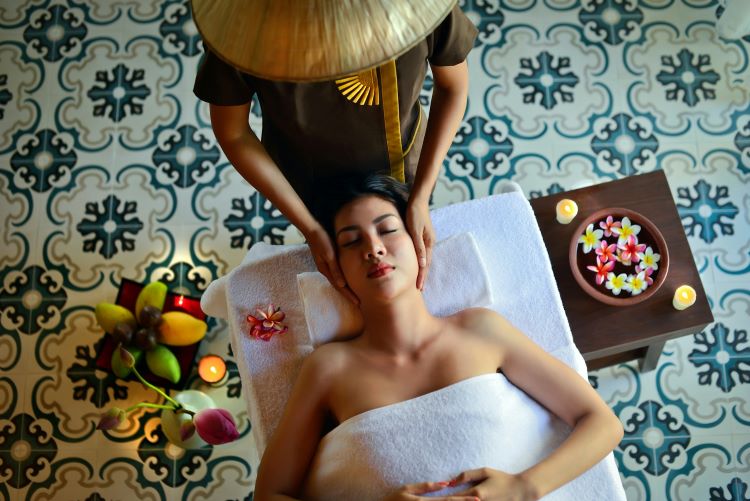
<point>495,485</point>
<point>420,228</point>
<point>324,255</point>
<point>412,492</point>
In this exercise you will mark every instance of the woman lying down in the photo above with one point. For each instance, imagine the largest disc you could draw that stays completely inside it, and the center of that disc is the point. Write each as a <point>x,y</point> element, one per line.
<point>417,406</point>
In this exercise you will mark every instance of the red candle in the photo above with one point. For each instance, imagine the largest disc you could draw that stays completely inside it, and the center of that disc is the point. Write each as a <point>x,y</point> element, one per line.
<point>212,369</point>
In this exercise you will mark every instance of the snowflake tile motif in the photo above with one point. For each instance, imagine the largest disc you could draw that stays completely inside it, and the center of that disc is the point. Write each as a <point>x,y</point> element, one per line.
<point>111,222</point>
<point>121,91</point>
<point>86,381</point>
<point>186,156</point>
<point>722,356</point>
<point>179,31</point>
<point>736,490</point>
<point>43,161</point>
<point>611,21</point>
<point>653,438</point>
<point>625,144</point>
<point>487,17</point>
<point>480,149</point>
<point>27,450</point>
<point>32,299</point>
<point>703,211</point>
<point>5,95</point>
<point>688,77</point>
<point>546,80</point>
<point>254,220</point>
<point>55,33</point>
<point>551,190</point>
<point>184,278</point>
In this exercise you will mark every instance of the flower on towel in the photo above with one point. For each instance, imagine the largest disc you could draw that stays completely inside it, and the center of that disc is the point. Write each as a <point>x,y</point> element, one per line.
<point>606,252</point>
<point>608,224</point>
<point>267,323</point>
<point>625,230</point>
<point>590,239</point>
<point>630,250</point>
<point>602,269</point>
<point>616,283</point>
<point>649,259</point>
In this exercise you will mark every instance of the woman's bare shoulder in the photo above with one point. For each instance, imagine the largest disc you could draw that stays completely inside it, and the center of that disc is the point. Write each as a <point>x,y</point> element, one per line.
<point>327,361</point>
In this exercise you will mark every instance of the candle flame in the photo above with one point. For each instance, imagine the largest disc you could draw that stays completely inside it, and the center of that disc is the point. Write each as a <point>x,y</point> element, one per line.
<point>180,300</point>
<point>213,369</point>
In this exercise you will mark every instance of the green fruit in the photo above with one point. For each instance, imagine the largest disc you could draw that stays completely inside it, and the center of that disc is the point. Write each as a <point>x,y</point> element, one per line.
<point>109,315</point>
<point>118,369</point>
<point>162,362</point>
<point>154,294</point>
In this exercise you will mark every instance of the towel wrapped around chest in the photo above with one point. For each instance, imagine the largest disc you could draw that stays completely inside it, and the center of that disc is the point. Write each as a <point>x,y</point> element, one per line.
<point>483,421</point>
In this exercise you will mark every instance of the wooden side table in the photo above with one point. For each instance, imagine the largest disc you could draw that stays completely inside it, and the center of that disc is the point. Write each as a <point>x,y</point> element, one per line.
<point>608,335</point>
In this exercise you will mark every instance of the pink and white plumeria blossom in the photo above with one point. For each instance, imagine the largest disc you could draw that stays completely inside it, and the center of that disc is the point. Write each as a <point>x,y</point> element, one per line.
<point>266,324</point>
<point>606,252</point>
<point>608,224</point>
<point>630,249</point>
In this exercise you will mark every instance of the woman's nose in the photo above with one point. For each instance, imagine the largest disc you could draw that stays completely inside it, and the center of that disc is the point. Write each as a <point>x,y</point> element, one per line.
<point>375,248</point>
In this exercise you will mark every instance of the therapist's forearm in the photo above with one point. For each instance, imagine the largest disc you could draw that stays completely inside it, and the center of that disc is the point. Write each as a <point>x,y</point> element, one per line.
<point>446,112</point>
<point>594,436</point>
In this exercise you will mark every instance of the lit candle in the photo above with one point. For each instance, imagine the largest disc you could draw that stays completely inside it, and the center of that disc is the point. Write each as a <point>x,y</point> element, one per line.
<point>566,210</point>
<point>213,370</point>
<point>180,300</point>
<point>684,297</point>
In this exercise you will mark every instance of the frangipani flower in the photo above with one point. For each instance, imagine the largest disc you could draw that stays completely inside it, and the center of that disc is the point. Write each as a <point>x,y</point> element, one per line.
<point>625,230</point>
<point>602,269</point>
<point>590,239</point>
<point>636,283</point>
<point>620,258</point>
<point>630,249</point>
<point>616,283</point>
<point>649,259</point>
<point>647,275</point>
<point>608,224</point>
<point>267,323</point>
<point>215,426</point>
<point>606,252</point>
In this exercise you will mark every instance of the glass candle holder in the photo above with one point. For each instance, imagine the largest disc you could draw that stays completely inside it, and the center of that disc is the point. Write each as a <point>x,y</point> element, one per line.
<point>213,370</point>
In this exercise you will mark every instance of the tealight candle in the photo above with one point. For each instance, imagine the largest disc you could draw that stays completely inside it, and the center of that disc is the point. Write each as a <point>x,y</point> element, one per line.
<point>213,370</point>
<point>684,297</point>
<point>566,210</point>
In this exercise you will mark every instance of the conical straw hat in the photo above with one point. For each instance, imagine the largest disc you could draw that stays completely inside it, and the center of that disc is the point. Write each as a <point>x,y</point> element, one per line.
<point>313,40</point>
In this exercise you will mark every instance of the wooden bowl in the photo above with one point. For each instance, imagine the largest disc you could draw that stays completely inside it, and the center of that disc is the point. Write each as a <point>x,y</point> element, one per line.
<point>649,235</point>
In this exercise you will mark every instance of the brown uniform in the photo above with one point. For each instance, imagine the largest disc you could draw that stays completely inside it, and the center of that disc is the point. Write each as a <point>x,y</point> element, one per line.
<point>312,131</point>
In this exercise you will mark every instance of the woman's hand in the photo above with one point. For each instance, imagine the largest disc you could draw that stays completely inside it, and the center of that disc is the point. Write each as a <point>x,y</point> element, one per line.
<point>321,248</point>
<point>412,492</point>
<point>420,228</point>
<point>495,485</point>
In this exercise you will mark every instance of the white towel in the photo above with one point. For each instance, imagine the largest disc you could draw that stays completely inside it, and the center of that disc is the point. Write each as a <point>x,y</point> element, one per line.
<point>483,421</point>
<point>457,280</point>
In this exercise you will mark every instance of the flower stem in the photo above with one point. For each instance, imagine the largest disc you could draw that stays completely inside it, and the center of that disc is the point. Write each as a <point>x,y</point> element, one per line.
<point>184,410</point>
<point>154,406</point>
<point>149,385</point>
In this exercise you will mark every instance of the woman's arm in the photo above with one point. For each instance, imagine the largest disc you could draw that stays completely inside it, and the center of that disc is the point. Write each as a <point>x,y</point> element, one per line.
<point>596,430</point>
<point>450,91</point>
<point>287,457</point>
<point>249,157</point>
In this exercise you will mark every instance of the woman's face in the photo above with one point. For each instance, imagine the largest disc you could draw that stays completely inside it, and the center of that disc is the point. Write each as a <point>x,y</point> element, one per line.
<point>376,253</point>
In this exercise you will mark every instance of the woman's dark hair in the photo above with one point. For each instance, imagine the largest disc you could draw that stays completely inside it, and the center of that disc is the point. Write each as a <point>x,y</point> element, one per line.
<point>342,190</point>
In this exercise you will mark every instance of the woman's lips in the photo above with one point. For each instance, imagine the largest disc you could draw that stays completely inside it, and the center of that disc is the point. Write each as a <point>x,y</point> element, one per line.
<point>379,270</point>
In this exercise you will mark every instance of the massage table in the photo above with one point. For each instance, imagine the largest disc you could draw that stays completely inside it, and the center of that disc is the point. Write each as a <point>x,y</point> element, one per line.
<point>508,271</point>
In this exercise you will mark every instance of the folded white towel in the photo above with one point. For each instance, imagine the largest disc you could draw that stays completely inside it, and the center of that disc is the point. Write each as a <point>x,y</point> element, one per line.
<point>483,421</point>
<point>457,280</point>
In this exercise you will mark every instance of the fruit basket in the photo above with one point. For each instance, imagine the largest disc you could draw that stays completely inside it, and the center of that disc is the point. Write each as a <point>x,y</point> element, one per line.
<point>183,353</point>
<point>618,256</point>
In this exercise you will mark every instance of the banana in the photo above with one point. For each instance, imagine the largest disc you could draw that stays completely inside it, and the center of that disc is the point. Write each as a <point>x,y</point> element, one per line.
<point>180,329</point>
<point>153,294</point>
<point>162,362</point>
<point>120,370</point>
<point>108,315</point>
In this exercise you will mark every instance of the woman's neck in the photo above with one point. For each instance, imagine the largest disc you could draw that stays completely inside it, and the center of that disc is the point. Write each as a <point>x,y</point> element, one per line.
<point>401,327</point>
